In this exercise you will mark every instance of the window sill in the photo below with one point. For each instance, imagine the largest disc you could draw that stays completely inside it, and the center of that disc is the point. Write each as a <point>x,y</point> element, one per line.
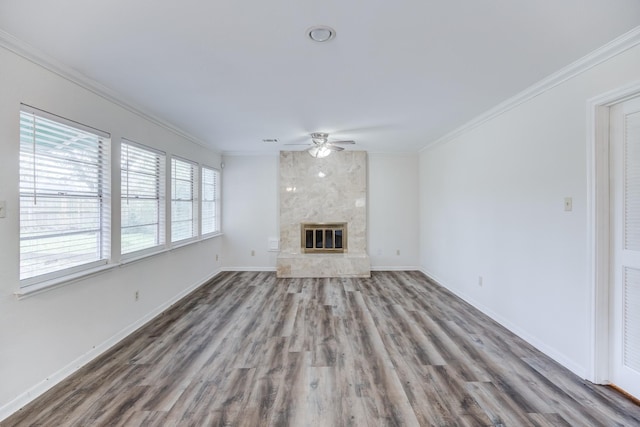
<point>59,282</point>
<point>187,242</point>
<point>211,235</point>
<point>125,260</point>
<point>183,243</point>
<point>46,285</point>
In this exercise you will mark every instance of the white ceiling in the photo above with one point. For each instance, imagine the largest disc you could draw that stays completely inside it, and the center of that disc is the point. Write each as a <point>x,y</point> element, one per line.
<point>398,75</point>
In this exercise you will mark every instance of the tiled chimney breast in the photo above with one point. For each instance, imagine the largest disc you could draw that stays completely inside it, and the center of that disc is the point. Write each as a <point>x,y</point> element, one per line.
<point>328,190</point>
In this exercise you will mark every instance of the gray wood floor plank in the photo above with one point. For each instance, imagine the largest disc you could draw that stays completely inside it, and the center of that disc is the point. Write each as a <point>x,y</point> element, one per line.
<point>445,380</point>
<point>548,420</point>
<point>395,349</point>
<point>384,399</point>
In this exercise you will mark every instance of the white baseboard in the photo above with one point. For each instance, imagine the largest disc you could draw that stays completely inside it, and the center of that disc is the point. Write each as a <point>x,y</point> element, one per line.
<point>553,353</point>
<point>395,268</point>
<point>37,390</point>
<point>248,269</point>
<point>373,268</point>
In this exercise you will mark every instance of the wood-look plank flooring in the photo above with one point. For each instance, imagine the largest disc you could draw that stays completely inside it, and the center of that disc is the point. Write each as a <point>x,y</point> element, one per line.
<point>249,349</point>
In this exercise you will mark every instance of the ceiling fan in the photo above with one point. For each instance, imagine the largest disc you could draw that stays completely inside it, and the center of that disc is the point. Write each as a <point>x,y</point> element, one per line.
<point>322,147</point>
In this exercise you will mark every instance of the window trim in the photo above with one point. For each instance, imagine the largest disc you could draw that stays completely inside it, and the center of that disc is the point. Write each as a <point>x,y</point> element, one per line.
<point>43,280</point>
<point>107,168</point>
<point>162,204</point>
<point>63,120</point>
<point>217,201</point>
<point>195,203</point>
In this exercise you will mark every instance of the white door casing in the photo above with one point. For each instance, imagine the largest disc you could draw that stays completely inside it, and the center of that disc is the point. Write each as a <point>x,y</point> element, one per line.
<point>624,358</point>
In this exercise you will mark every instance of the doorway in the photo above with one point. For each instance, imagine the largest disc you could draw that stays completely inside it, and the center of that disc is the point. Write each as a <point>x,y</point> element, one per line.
<point>614,224</point>
<point>624,267</point>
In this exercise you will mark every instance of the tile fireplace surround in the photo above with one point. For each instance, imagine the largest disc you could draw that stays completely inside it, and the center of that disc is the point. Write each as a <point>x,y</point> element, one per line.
<point>328,190</point>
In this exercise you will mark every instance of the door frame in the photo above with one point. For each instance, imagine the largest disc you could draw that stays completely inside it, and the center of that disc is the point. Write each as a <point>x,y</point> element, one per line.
<point>599,226</point>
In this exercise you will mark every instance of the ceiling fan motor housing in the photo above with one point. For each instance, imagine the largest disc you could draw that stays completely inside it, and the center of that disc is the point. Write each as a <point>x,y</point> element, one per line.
<point>319,137</point>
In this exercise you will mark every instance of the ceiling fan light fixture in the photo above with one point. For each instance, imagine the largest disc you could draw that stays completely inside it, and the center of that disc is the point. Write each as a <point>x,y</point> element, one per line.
<point>319,151</point>
<point>323,152</point>
<point>321,33</point>
<point>322,147</point>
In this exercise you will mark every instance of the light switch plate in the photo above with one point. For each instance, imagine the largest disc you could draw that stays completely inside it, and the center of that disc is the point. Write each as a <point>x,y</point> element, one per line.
<point>3,208</point>
<point>568,204</point>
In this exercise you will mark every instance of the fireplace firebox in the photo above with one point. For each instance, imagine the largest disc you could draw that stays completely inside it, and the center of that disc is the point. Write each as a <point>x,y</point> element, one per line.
<point>324,237</point>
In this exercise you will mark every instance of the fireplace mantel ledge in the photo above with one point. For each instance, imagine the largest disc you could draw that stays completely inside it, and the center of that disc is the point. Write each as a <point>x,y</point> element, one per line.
<point>323,255</point>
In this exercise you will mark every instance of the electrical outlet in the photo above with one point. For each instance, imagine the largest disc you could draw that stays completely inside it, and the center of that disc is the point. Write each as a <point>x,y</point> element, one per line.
<point>397,251</point>
<point>216,257</point>
<point>253,253</point>
<point>3,208</point>
<point>480,281</point>
<point>137,295</point>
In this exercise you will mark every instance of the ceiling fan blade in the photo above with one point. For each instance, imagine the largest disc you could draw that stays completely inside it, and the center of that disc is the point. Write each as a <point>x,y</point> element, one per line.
<point>307,144</point>
<point>348,141</point>
<point>332,147</point>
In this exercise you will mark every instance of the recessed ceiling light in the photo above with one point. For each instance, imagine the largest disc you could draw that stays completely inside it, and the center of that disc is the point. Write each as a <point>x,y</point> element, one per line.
<point>321,33</point>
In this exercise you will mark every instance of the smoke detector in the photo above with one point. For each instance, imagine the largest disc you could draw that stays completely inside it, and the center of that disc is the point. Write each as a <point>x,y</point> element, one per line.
<point>321,33</point>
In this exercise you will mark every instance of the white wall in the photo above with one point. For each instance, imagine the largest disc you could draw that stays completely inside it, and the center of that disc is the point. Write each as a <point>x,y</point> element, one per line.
<point>250,211</point>
<point>45,336</point>
<point>491,205</point>
<point>251,206</point>
<point>393,211</point>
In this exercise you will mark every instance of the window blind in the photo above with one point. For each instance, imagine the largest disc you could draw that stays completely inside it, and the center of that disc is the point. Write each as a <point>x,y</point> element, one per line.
<point>142,171</point>
<point>210,200</point>
<point>183,200</point>
<point>64,197</point>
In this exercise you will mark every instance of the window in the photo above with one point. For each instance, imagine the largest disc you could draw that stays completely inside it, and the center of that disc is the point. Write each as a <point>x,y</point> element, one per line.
<point>142,171</point>
<point>183,200</point>
<point>64,197</point>
<point>210,200</point>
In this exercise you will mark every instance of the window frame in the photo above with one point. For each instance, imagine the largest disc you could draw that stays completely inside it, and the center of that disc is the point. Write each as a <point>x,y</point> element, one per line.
<point>216,201</point>
<point>195,204</point>
<point>94,179</point>
<point>102,195</point>
<point>161,200</point>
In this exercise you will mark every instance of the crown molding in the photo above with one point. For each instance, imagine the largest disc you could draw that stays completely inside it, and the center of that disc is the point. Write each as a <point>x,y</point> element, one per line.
<point>251,153</point>
<point>277,153</point>
<point>36,56</point>
<point>390,153</point>
<point>598,56</point>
